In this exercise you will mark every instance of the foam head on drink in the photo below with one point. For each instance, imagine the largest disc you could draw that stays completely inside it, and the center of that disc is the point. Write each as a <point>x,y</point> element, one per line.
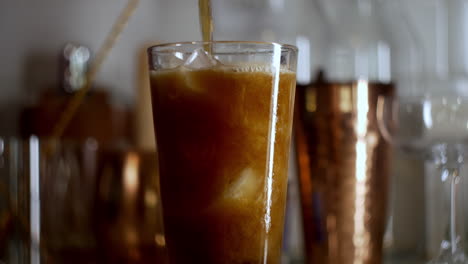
<point>223,135</point>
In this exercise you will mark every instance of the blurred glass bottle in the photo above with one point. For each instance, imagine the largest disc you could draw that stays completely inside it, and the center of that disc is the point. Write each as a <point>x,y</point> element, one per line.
<point>296,22</point>
<point>344,160</point>
<point>97,117</point>
<point>406,225</point>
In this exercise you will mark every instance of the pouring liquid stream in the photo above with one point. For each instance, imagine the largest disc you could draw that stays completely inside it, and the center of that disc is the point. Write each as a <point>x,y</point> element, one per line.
<point>206,23</point>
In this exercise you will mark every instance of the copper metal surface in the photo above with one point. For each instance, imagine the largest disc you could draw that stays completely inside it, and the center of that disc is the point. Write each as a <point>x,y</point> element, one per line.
<point>344,168</point>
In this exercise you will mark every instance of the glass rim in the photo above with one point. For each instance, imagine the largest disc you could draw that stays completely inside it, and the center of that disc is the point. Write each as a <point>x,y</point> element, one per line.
<point>287,47</point>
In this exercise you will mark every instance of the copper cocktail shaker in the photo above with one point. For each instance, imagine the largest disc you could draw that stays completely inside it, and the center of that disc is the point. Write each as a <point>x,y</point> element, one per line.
<point>344,167</point>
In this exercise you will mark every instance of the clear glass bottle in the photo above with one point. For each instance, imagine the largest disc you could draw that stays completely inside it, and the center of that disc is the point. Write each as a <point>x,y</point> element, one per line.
<point>297,22</point>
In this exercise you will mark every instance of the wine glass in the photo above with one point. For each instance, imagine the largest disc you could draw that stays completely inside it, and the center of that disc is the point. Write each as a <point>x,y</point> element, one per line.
<point>434,128</point>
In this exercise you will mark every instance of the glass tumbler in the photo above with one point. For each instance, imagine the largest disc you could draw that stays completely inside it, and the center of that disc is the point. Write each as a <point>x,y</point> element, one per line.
<point>223,126</point>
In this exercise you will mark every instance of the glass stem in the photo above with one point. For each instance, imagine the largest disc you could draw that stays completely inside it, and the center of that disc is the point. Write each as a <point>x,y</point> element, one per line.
<point>453,174</point>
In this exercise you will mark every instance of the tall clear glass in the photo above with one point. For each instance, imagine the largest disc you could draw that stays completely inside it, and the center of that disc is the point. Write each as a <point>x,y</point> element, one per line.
<point>223,126</point>
<point>78,202</point>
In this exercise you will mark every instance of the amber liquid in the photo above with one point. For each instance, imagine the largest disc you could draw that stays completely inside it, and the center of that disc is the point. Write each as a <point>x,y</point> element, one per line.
<point>223,182</point>
<point>344,165</point>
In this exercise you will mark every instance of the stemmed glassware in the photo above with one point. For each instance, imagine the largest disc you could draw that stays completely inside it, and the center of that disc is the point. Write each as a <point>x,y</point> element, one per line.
<point>434,128</point>
<point>433,119</point>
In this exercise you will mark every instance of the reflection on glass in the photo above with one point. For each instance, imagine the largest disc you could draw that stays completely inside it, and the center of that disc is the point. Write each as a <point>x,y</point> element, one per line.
<point>78,204</point>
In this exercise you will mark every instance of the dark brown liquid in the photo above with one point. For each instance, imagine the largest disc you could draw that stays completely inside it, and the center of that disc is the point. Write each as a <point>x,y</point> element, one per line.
<point>344,168</point>
<point>223,184</point>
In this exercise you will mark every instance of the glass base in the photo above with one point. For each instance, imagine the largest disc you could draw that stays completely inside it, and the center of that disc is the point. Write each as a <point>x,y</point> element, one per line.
<point>446,256</point>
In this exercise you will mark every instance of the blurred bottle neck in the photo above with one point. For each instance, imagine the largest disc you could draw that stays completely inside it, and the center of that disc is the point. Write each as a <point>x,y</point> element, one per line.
<point>365,8</point>
<point>350,16</point>
<point>359,48</point>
